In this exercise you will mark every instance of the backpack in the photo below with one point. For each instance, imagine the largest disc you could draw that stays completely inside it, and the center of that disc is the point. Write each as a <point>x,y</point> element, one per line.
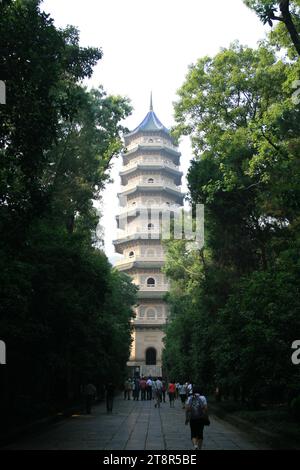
<point>197,408</point>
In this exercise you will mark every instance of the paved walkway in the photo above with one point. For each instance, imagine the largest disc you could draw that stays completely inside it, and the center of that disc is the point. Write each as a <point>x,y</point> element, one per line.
<point>134,426</point>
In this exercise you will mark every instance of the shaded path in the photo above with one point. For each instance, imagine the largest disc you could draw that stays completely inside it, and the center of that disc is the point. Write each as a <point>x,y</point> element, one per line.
<point>134,426</point>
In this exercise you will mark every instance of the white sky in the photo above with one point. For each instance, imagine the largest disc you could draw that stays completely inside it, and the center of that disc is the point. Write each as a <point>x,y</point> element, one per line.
<point>148,46</point>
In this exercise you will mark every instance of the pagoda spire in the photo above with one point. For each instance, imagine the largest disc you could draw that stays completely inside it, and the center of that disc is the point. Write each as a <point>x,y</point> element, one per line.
<point>150,123</point>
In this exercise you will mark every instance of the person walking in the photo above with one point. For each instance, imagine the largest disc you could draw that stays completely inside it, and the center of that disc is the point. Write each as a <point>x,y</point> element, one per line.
<point>129,388</point>
<point>177,385</point>
<point>136,390</point>
<point>143,386</point>
<point>158,391</point>
<point>126,387</point>
<point>149,388</point>
<point>171,391</point>
<point>197,416</point>
<point>164,388</point>
<point>110,391</point>
<point>182,393</point>
<point>189,388</point>
<point>154,394</point>
<point>90,395</point>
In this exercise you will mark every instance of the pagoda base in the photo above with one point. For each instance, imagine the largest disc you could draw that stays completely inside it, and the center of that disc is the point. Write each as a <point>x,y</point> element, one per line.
<point>137,369</point>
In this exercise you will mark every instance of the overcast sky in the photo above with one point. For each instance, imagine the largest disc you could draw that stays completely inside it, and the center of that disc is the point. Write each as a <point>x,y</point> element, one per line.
<point>148,46</point>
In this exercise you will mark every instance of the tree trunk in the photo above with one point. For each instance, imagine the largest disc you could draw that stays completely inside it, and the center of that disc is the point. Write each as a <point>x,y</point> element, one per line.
<point>288,21</point>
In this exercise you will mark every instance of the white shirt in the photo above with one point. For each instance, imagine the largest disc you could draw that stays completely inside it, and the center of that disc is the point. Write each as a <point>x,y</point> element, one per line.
<point>158,385</point>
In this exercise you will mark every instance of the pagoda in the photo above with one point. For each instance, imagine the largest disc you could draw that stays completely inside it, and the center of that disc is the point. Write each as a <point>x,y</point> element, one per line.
<point>150,179</point>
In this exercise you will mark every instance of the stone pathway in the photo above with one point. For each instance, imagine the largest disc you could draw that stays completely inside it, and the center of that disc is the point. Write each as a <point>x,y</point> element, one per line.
<point>135,426</point>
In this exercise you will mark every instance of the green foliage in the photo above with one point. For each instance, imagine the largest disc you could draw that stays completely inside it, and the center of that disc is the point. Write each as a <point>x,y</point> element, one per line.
<point>235,304</point>
<point>265,9</point>
<point>65,314</point>
<point>284,12</point>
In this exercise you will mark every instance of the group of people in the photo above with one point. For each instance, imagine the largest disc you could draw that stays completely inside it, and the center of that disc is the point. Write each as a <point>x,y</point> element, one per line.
<point>191,396</point>
<point>145,388</point>
<point>192,399</point>
<point>148,388</point>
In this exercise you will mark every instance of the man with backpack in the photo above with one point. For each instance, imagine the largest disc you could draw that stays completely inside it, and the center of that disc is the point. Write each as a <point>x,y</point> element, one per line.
<point>197,416</point>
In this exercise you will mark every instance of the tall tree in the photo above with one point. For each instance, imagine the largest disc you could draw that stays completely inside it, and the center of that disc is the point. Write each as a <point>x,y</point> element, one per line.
<point>284,11</point>
<point>244,125</point>
<point>56,143</point>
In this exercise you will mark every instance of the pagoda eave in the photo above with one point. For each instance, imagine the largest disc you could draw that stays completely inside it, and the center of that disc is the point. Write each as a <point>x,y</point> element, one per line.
<point>151,149</point>
<point>139,264</point>
<point>138,210</point>
<point>144,133</point>
<point>137,236</point>
<point>147,324</point>
<point>151,167</point>
<point>142,294</point>
<point>147,188</point>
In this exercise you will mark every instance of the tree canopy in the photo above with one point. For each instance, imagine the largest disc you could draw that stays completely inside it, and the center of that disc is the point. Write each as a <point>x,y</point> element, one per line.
<point>65,314</point>
<point>287,12</point>
<point>235,304</point>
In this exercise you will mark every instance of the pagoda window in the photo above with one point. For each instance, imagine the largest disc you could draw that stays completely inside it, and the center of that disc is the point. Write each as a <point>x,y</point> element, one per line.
<point>150,141</point>
<point>131,254</point>
<point>150,282</point>
<point>150,227</point>
<point>151,180</point>
<point>151,314</point>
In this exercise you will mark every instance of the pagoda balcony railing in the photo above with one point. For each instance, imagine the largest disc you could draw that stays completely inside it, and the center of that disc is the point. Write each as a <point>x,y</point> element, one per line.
<point>156,288</point>
<point>156,184</point>
<point>139,207</point>
<point>148,259</point>
<point>146,142</point>
<point>142,232</point>
<point>149,321</point>
<point>150,161</point>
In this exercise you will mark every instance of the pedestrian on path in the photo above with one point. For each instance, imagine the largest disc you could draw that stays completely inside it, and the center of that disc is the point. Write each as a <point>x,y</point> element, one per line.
<point>182,393</point>
<point>109,391</point>
<point>127,388</point>
<point>164,388</point>
<point>197,416</point>
<point>149,388</point>
<point>136,389</point>
<point>189,388</point>
<point>171,391</point>
<point>90,395</point>
<point>143,385</point>
<point>158,391</point>
<point>177,385</point>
